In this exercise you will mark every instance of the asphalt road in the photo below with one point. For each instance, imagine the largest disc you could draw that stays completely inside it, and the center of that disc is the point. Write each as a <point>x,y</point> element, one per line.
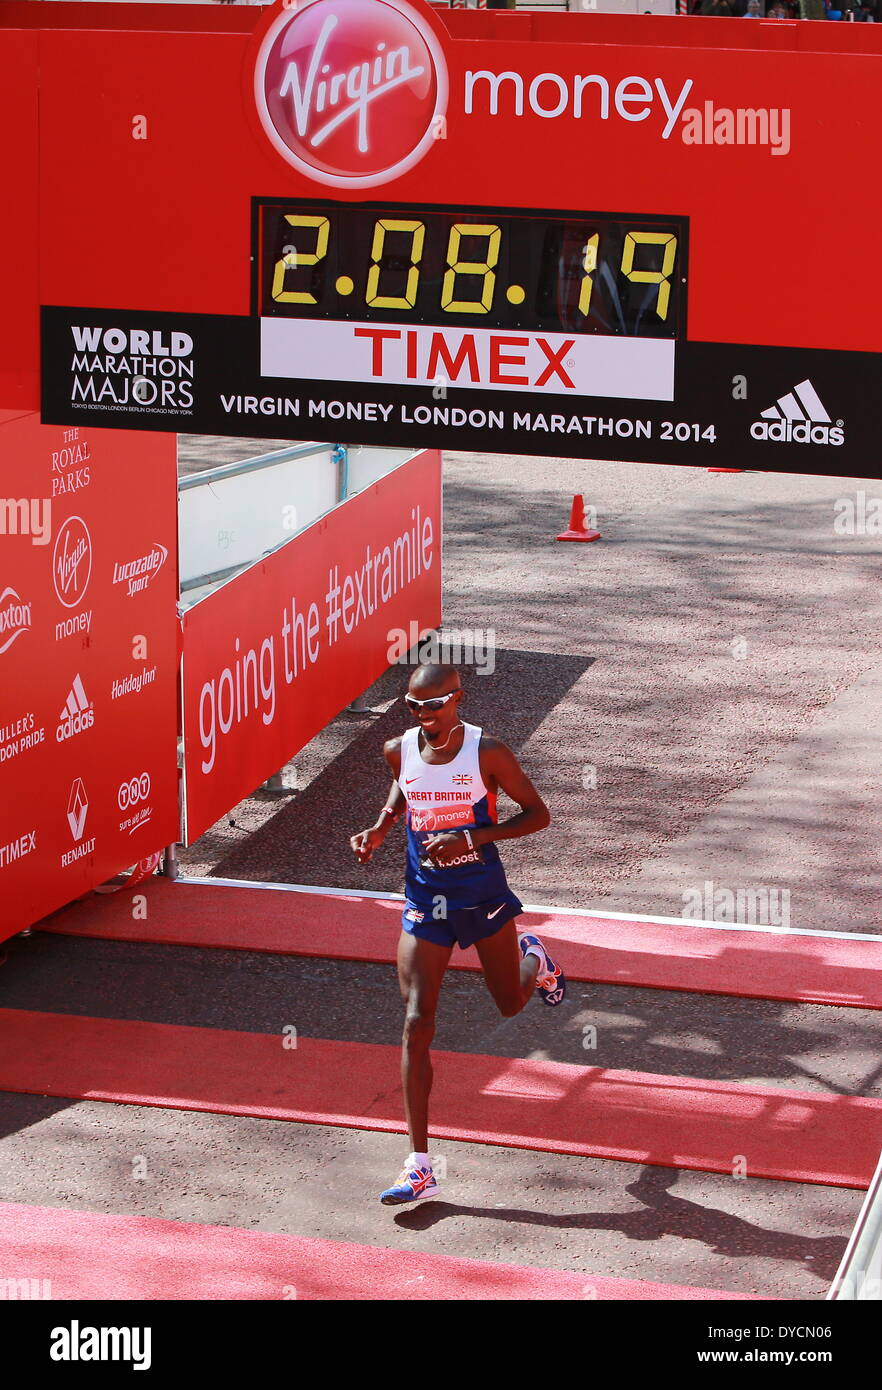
<point>609,1218</point>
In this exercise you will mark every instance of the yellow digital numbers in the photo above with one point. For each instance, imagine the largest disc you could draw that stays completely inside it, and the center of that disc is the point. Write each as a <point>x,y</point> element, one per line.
<point>554,270</point>
<point>395,301</point>
<point>589,265</point>
<point>294,259</point>
<point>651,277</point>
<point>485,268</point>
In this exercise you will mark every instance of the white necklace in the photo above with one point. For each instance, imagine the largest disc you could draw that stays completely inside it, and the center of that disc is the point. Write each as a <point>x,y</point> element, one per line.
<point>448,738</point>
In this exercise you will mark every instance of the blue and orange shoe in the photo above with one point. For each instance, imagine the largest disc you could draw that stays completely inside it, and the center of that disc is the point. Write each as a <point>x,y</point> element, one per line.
<point>550,981</point>
<point>415,1184</point>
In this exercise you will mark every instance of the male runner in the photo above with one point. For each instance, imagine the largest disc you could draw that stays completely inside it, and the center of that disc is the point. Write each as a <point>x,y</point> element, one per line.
<point>447,773</point>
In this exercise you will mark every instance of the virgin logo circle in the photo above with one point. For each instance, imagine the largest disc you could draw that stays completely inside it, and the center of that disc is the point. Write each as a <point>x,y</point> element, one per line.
<point>351,92</point>
<point>130,793</point>
<point>72,562</point>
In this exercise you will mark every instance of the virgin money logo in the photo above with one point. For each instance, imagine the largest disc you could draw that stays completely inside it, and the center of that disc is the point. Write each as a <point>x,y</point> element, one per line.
<point>351,92</point>
<point>72,562</point>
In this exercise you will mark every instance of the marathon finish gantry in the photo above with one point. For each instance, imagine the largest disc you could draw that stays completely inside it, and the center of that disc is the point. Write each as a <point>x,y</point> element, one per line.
<point>628,237</point>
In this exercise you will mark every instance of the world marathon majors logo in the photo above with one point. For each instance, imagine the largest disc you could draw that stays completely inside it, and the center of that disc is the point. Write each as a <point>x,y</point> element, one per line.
<point>352,93</point>
<point>132,368</point>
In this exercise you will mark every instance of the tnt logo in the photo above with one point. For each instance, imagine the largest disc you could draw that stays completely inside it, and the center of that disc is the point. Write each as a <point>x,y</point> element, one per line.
<point>351,91</point>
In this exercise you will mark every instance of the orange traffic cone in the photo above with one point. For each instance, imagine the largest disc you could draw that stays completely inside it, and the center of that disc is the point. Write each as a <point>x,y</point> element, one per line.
<point>578,530</point>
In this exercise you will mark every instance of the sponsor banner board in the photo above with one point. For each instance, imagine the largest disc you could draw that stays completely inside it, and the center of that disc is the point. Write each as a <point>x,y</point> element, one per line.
<point>88,659</point>
<point>275,654</point>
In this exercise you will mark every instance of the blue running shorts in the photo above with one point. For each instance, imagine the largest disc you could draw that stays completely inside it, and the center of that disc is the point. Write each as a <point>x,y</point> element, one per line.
<point>462,926</point>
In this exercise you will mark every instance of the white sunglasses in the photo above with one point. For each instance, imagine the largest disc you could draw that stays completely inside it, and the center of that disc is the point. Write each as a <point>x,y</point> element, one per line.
<point>436,702</point>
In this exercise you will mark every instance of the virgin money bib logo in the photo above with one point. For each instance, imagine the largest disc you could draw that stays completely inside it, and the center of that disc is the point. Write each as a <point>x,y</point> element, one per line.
<point>351,92</point>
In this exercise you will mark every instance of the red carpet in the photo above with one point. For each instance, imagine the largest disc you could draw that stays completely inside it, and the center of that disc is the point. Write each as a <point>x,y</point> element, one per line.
<point>87,1255</point>
<point>551,1106</point>
<point>821,970</point>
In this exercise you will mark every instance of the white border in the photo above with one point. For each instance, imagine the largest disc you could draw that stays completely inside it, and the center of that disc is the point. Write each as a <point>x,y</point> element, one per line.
<point>365,180</point>
<point>534,907</point>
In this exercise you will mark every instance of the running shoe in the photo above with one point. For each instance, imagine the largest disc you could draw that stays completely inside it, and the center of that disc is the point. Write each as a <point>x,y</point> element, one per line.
<point>413,1185</point>
<point>550,981</point>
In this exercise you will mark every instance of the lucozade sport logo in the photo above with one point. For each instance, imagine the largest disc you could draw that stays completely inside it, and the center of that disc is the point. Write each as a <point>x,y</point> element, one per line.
<point>351,92</point>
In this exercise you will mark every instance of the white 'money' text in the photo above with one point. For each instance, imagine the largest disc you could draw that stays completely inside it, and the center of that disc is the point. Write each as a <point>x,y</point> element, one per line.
<point>550,95</point>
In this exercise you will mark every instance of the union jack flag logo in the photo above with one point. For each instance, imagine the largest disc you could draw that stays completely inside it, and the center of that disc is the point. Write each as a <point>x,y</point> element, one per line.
<point>419,1178</point>
<point>462,779</point>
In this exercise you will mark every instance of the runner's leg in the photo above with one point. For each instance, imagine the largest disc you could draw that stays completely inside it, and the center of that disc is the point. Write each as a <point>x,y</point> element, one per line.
<point>510,977</point>
<point>421,966</point>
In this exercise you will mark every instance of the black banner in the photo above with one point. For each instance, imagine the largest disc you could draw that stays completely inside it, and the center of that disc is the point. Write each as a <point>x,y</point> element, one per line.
<point>771,409</point>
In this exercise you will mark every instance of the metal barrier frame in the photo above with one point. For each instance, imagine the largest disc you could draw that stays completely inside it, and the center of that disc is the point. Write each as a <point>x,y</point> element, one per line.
<point>864,1243</point>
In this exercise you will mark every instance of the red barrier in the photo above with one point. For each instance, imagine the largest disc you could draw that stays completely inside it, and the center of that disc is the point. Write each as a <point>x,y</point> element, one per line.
<point>88,585</point>
<point>273,656</point>
<point>19,341</point>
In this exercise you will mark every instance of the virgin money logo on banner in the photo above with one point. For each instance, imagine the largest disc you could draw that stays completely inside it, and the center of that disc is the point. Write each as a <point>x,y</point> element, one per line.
<point>72,562</point>
<point>351,92</point>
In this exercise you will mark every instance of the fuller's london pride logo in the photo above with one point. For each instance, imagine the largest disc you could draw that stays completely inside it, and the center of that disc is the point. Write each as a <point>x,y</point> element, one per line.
<point>351,92</point>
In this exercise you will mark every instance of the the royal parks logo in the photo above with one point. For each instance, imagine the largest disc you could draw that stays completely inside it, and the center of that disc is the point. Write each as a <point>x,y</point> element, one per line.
<point>351,92</point>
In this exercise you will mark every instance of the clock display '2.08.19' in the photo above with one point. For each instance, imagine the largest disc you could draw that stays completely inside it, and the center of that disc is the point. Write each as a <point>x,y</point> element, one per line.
<point>578,272</point>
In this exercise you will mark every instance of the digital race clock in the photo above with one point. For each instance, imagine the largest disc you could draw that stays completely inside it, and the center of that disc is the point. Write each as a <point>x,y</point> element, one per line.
<point>483,267</point>
<point>470,297</point>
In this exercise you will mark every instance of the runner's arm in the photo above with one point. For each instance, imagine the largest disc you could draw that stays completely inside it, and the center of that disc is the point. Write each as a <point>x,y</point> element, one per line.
<point>366,841</point>
<point>499,766</point>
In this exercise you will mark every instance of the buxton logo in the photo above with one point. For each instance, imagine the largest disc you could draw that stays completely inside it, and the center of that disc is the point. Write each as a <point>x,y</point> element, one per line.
<point>15,618</point>
<point>351,92</point>
<point>72,562</point>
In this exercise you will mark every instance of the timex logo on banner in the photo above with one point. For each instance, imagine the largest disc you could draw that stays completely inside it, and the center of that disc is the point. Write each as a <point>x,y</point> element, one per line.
<point>581,364</point>
<point>494,358</point>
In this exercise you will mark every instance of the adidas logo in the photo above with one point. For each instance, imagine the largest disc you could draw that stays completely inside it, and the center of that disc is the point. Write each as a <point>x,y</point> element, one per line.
<point>799,417</point>
<point>78,713</point>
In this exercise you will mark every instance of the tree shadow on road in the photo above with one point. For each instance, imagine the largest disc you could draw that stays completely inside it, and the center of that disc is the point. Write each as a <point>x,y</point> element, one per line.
<point>662,1214</point>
